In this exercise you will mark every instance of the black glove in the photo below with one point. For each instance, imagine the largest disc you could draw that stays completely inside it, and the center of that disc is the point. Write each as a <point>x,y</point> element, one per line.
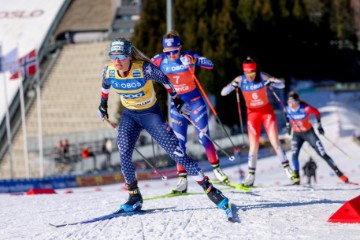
<point>102,111</point>
<point>268,82</point>
<point>178,103</point>
<point>235,84</point>
<point>320,129</point>
<point>288,128</point>
<point>181,106</point>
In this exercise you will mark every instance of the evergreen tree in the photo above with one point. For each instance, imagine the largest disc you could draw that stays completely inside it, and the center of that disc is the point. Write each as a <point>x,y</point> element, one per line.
<point>292,39</point>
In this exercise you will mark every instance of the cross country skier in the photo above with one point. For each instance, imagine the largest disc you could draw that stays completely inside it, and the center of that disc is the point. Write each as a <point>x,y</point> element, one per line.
<point>259,112</point>
<point>298,112</point>
<point>131,74</point>
<point>175,63</point>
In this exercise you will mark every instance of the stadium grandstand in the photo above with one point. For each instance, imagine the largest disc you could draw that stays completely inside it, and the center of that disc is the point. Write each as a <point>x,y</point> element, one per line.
<point>71,41</point>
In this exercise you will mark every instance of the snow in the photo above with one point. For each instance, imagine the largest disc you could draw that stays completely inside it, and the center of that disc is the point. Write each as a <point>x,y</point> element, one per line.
<point>269,211</point>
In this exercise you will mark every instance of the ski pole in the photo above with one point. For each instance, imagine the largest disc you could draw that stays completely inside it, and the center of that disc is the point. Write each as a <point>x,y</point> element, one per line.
<point>153,147</point>
<point>156,171</point>
<point>163,177</point>
<point>336,146</point>
<point>209,103</point>
<point>240,116</point>
<point>231,158</point>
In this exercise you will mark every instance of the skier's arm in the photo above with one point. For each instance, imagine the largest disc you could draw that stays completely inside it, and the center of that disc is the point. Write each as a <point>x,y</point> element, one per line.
<point>152,72</point>
<point>105,89</point>
<point>272,81</point>
<point>287,121</point>
<point>198,60</point>
<point>311,110</point>
<point>235,83</point>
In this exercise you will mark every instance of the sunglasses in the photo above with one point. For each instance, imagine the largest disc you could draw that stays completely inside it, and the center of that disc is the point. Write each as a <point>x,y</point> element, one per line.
<point>173,52</point>
<point>117,56</point>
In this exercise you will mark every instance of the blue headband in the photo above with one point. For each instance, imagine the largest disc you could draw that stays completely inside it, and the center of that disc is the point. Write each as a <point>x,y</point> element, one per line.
<point>171,42</point>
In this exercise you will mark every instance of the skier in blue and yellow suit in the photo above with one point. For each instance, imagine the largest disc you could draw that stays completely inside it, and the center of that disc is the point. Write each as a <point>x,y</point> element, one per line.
<point>131,74</point>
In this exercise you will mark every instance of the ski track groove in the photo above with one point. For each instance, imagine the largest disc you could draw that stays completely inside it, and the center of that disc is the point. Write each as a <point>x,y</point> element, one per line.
<point>172,220</point>
<point>106,225</point>
<point>188,219</point>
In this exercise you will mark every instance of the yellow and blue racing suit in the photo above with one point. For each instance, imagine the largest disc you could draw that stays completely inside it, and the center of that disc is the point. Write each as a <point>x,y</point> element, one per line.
<point>141,111</point>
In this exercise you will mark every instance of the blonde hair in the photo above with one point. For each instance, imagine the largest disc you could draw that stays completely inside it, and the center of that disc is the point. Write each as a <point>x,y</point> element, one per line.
<point>136,54</point>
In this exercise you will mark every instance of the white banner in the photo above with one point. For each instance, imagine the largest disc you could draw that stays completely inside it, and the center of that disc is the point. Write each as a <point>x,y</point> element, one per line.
<point>24,24</point>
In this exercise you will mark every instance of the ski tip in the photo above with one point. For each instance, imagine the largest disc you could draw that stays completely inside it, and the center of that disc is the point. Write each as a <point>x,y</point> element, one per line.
<point>57,225</point>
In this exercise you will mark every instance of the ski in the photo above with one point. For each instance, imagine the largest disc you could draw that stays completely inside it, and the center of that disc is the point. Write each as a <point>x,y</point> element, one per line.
<point>350,183</point>
<point>233,185</point>
<point>170,195</point>
<point>178,194</point>
<point>292,184</point>
<point>110,216</point>
<point>353,183</point>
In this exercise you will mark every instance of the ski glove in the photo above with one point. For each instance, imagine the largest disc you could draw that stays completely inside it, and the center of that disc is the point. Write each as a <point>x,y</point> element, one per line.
<point>102,111</point>
<point>320,129</point>
<point>182,106</point>
<point>288,128</point>
<point>235,84</point>
<point>186,60</point>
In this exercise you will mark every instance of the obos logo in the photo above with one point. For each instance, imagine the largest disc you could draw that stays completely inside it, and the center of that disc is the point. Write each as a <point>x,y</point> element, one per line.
<point>176,68</point>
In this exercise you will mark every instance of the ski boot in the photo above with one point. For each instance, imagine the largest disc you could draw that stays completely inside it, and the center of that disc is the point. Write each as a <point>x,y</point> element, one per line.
<point>182,184</point>
<point>216,196</point>
<point>250,178</point>
<point>340,175</point>
<point>135,200</point>
<point>219,174</point>
<point>213,193</point>
<point>290,173</point>
<point>296,172</point>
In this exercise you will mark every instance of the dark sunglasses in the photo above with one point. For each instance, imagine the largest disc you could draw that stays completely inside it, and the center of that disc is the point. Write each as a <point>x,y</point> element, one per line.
<point>175,51</point>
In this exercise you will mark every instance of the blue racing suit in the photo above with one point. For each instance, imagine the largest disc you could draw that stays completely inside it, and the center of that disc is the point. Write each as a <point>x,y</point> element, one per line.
<point>182,77</point>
